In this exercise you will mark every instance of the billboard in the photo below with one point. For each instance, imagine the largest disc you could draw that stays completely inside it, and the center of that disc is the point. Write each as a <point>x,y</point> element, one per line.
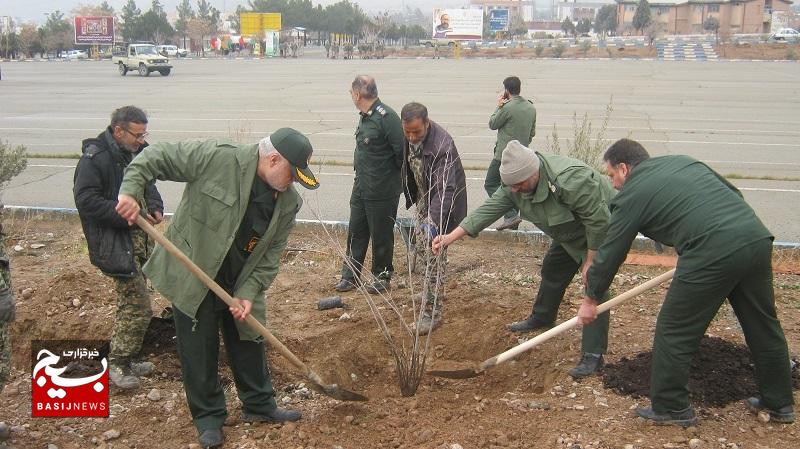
<point>460,24</point>
<point>94,30</point>
<point>498,20</point>
<point>255,23</point>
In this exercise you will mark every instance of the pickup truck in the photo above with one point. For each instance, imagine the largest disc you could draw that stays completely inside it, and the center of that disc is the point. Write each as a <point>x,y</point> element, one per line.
<point>441,41</point>
<point>143,58</point>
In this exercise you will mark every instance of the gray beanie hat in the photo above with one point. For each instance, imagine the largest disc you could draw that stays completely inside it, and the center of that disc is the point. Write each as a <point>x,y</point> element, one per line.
<point>518,163</point>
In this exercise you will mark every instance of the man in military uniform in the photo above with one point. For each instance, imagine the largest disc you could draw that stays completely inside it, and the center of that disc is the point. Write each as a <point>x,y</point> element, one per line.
<point>376,188</point>
<point>724,251</point>
<point>7,308</point>
<point>568,201</point>
<point>118,250</point>
<point>434,180</point>
<point>233,222</point>
<point>514,119</point>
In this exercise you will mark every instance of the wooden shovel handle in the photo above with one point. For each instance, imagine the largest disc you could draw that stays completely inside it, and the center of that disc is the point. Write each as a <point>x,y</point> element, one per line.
<point>569,324</point>
<point>219,291</point>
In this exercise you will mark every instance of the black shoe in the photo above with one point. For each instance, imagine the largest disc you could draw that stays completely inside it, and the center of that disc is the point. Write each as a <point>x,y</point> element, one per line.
<point>510,224</point>
<point>683,418</point>
<point>211,438</point>
<point>589,364</point>
<point>783,415</point>
<point>529,324</point>
<point>379,286</point>
<point>345,285</point>
<point>275,415</point>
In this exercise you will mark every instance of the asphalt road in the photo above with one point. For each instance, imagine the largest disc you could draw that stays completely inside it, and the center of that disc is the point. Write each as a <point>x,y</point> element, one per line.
<point>740,117</point>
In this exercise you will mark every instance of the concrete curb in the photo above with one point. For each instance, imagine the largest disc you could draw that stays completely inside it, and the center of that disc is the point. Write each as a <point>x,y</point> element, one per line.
<point>533,236</point>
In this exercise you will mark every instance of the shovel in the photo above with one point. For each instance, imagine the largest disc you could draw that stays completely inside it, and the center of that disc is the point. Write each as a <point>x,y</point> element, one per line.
<point>541,338</point>
<point>332,390</point>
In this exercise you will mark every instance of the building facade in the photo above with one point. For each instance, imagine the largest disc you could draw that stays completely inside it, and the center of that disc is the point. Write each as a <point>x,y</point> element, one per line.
<point>688,16</point>
<point>516,8</point>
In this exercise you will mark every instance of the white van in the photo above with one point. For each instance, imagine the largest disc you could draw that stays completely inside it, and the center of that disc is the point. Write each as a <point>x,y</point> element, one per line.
<point>168,50</point>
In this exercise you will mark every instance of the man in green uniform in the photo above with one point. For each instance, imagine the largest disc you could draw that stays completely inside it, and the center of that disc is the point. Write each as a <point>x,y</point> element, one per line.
<point>514,119</point>
<point>234,220</point>
<point>568,201</point>
<point>724,251</point>
<point>376,189</point>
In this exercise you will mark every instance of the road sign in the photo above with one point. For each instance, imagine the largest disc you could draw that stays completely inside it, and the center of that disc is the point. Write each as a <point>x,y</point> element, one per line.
<point>498,20</point>
<point>95,30</point>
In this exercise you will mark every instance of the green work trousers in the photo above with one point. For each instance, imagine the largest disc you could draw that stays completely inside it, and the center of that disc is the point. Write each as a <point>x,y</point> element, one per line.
<point>493,182</point>
<point>198,350</point>
<point>558,269</point>
<point>693,299</point>
<point>370,220</point>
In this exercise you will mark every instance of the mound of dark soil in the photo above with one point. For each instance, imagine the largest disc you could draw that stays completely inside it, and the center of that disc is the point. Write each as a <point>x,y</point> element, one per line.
<point>722,372</point>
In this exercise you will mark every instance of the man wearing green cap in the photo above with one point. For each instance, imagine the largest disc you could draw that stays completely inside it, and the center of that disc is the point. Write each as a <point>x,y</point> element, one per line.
<point>233,222</point>
<point>568,201</point>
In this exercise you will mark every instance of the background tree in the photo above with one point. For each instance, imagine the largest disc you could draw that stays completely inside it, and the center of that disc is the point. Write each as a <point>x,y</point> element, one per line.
<point>130,17</point>
<point>567,26</point>
<point>57,33</point>
<point>584,26</point>
<point>641,18</point>
<point>606,20</point>
<point>29,42</point>
<point>517,27</point>
<point>712,24</point>
<point>154,25</point>
<point>185,13</point>
<point>103,9</point>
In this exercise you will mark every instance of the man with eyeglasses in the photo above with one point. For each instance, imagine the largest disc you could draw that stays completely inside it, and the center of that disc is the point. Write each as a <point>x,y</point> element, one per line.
<point>117,249</point>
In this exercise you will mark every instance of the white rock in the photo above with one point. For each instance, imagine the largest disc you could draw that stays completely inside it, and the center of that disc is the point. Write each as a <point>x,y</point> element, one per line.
<point>116,409</point>
<point>763,416</point>
<point>154,395</point>
<point>345,317</point>
<point>27,293</point>
<point>695,443</point>
<point>572,395</point>
<point>76,302</point>
<point>52,446</point>
<point>580,407</point>
<point>37,246</point>
<point>629,446</point>
<point>456,446</point>
<point>112,434</point>
<point>18,248</point>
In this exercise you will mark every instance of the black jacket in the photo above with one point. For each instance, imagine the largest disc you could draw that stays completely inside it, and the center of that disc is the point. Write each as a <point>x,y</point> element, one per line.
<point>97,179</point>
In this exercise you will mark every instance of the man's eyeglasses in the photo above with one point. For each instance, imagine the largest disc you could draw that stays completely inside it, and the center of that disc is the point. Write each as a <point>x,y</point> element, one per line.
<point>140,136</point>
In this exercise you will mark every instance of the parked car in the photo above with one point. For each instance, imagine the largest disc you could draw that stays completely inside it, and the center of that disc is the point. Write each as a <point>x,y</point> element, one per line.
<point>182,52</point>
<point>143,58</point>
<point>168,50</point>
<point>74,54</point>
<point>786,34</point>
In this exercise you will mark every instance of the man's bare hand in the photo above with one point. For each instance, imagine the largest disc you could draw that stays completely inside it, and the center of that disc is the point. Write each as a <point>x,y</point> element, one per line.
<point>127,208</point>
<point>155,218</point>
<point>588,311</point>
<point>240,313</point>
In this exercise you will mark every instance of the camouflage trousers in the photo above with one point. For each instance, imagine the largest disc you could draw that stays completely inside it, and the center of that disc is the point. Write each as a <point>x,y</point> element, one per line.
<point>5,328</point>
<point>133,304</point>
<point>435,267</point>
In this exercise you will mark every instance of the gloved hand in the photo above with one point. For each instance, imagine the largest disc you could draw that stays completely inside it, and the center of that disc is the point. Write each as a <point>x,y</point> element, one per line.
<point>428,230</point>
<point>7,307</point>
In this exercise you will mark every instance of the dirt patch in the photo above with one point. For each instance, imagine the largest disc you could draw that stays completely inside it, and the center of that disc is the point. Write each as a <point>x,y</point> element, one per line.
<point>527,402</point>
<point>716,363</point>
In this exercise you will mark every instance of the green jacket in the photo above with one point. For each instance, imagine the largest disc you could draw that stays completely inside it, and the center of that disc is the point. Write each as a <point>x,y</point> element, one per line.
<point>570,205</point>
<point>379,153</point>
<point>218,175</point>
<point>681,202</point>
<point>515,120</point>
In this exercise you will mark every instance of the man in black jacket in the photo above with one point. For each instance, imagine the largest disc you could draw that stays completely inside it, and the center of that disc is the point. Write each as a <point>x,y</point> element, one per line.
<point>118,250</point>
<point>433,179</point>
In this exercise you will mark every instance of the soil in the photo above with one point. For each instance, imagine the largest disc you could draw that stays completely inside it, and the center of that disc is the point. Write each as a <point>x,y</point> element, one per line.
<point>529,402</point>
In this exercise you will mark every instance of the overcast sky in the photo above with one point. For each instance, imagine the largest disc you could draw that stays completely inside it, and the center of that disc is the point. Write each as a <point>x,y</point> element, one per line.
<point>35,10</point>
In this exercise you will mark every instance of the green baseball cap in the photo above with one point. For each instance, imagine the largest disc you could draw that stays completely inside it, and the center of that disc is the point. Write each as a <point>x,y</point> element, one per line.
<point>296,148</point>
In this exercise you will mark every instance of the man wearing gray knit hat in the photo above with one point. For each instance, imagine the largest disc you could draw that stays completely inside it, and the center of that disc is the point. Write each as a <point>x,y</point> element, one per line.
<point>568,201</point>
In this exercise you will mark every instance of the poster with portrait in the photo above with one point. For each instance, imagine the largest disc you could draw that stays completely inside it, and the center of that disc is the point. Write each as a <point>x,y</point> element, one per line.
<point>457,24</point>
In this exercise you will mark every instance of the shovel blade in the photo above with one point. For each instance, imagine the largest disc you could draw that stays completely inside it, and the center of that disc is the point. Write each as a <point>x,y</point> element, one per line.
<point>336,392</point>
<point>456,374</point>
